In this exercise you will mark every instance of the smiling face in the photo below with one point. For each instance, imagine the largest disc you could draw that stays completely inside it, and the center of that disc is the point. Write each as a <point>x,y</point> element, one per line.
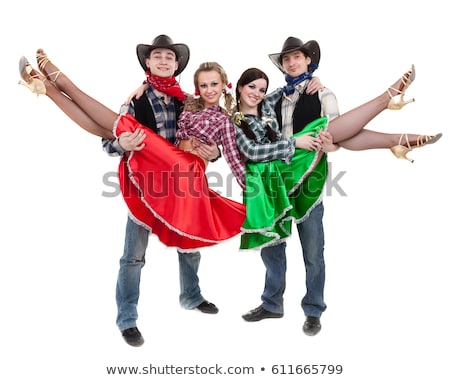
<point>162,62</point>
<point>251,95</point>
<point>295,63</point>
<point>210,86</point>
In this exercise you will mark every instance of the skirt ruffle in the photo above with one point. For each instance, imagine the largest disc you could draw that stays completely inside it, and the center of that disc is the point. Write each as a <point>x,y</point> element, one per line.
<point>166,191</point>
<point>278,194</point>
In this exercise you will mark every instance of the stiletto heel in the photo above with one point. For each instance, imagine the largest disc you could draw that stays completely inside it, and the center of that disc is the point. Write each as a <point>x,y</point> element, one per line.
<point>30,78</point>
<point>401,150</point>
<point>42,61</point>
<point>397,102</point>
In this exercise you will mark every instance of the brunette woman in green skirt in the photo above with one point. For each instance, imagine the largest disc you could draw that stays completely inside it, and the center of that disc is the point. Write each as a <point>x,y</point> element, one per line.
<point>285,176</point>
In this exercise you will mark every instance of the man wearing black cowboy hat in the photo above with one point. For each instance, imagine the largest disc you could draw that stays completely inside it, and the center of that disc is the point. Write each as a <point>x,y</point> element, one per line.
<point>297,107</point>
<point>159,111</point>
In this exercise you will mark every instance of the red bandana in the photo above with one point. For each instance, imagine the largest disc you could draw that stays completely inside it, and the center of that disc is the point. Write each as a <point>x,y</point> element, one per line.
<point>167,86</point>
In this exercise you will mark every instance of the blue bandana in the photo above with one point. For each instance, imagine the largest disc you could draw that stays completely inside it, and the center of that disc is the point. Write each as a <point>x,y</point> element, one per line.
<point>291,82</point>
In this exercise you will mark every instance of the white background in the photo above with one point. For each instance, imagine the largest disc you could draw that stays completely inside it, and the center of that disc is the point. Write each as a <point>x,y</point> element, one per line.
<point>386,240</point>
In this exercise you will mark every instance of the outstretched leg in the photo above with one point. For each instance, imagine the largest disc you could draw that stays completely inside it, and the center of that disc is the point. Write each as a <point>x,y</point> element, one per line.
<point>352,122</point>
<point>71,109</point>
<point>348,129</point>
<point>101,114</point>
<point>368,139</point>
<point>40,85</point>
<point>400,144</point>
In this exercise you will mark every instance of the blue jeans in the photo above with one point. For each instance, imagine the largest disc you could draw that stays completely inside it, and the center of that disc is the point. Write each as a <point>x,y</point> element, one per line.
<point>129,278</point>
<point>190,293</point>
<point>274,257</point>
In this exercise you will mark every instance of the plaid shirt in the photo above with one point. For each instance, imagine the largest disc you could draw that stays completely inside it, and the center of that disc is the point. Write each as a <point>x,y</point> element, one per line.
<point>162,114</point>
<point>261,149</point>
<point>213,123</point>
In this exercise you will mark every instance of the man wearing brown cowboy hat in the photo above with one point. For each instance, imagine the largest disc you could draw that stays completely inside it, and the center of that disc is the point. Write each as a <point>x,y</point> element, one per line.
<point>297,107</point>
<point>162,61</point>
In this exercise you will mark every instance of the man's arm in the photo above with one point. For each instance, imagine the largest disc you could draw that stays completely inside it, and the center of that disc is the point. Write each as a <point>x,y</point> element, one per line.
<point>112,147</point>
<point>330,109</point>
<point>127,141</point>
<point>209,151</point>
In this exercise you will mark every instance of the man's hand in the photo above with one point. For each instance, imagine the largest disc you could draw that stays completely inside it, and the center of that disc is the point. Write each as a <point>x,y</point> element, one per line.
<point>208,151</point>
<point>132,141</point>
<point>308,142</point>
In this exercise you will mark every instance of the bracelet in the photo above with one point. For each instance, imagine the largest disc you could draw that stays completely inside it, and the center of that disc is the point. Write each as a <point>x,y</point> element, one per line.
<point>215,159</point>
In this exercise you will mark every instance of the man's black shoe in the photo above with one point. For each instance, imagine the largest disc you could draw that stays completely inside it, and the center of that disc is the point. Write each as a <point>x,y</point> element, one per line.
<point>208,308</point>
<point>133,337</point>
<point>312,326</point>
<point>260,313</point>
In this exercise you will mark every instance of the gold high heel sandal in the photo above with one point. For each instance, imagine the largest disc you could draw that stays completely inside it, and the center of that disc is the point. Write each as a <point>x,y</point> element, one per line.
<point>30,79</point>
<point>397,100</point>
<point>401,150</point>
<point>42,60</point>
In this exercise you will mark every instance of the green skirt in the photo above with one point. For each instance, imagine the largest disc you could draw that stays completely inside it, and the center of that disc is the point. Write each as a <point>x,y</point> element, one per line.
<point>278,194</point>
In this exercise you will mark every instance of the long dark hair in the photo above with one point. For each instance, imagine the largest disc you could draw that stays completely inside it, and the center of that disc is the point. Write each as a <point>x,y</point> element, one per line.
<point>246,77</point>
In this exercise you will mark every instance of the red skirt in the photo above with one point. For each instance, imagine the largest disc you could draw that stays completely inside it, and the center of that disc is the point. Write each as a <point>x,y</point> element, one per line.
<point>166,191</point>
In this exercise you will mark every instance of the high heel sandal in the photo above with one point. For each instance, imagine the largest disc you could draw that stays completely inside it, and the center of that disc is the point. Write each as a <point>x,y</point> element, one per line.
<point>401,150</point>
<point>42,60</point>
<point>396,102</point>
<point>30,78</point>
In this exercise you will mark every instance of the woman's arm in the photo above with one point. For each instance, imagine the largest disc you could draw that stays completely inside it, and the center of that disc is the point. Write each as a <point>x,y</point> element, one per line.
<point>279,150</point>
<point>231,152</point>
<point>137,93</point>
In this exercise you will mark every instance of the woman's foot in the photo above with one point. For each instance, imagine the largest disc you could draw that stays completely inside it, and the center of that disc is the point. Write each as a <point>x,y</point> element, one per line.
<point>405,145</point>
<point>397,91</point>
<point>46,67</point>
<point>31,78</point>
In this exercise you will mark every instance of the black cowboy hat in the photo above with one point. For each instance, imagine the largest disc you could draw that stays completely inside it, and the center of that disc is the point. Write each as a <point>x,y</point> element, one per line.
<point>163,41</point>
<point>310,49</point>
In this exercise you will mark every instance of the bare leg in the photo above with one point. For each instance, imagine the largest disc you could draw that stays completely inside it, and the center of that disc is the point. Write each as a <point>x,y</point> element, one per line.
<point>352,122</point>
<point>40,85</point>
<point>348,129</point>
<point>74,112</point>
<point>367,139</point>
<point>100,114</point>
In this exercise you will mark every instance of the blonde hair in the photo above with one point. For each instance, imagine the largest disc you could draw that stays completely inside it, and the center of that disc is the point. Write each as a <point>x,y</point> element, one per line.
<point>193,104</point>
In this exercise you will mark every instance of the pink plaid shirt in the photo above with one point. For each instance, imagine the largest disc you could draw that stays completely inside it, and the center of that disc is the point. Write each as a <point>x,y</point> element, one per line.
<point>213,123</point>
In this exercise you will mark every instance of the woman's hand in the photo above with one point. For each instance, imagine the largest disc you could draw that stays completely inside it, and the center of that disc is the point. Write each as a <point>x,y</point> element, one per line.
<point>137,93</point>
<point>314,85</point>
<point>327,142</point>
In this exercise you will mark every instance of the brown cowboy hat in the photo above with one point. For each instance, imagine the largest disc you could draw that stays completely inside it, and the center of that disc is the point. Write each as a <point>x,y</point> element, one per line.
<point>310,49</point>
<point>163,41</point>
